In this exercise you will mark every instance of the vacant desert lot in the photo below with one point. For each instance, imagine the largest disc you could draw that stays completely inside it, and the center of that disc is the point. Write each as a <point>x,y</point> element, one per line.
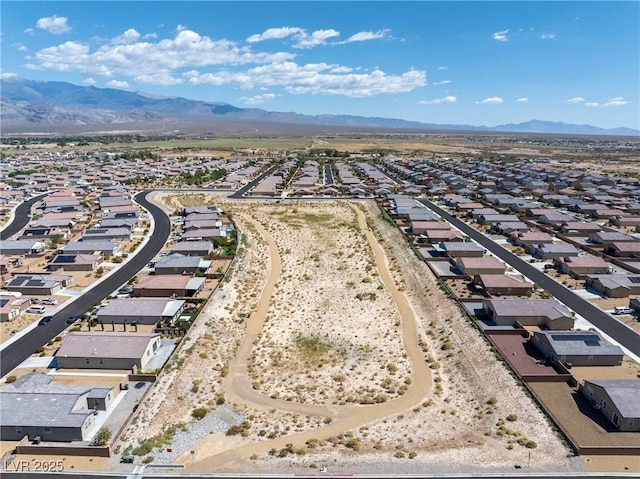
<point>335,343</point>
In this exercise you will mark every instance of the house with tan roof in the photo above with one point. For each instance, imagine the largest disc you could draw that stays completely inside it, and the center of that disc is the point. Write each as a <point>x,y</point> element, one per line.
<point>107,350</point>
<point>544,313</point>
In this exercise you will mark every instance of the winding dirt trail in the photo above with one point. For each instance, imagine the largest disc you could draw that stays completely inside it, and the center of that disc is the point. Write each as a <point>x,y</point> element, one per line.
<point>238,388</point>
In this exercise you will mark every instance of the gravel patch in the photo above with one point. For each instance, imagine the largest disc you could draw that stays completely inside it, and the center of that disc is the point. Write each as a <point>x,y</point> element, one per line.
<point>218,420</point>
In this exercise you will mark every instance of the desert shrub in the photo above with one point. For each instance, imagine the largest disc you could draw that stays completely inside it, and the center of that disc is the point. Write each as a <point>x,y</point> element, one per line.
<point>199,412</point>
<point>11,379</point>
<point>512,417</point>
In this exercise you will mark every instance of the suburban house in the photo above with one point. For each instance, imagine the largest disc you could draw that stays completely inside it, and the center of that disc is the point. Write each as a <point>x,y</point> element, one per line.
<point>552,251</point>
<point>614,285</point>
<point>458,249</point>
<point>193,248</point>
<point>75,262</point>
<point>529,239</point>
<point>577,348</point>
<point>476,266</point>
<point>419,227</point>
<point>106,234</point>
<point>22,247</point>
<point>140,311</point>
<point>203,234</point>
<point>625,249</point>
<point>105,248</point>
<point>176,263</point>
<point>107,350</point>
<point>608,237</point>
<point>38,284</point>
<point>9,263</point>
<point>503,284</point>
<point>617,399</point>
<point>32,406</point>
<point>168,285</point>
<point>545,313</point>
<point>12,306</point>
<point>580,266</point>
<point>579,228</point>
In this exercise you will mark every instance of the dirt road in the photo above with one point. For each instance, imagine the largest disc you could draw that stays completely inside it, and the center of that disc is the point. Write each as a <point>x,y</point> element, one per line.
<point>343,418</point>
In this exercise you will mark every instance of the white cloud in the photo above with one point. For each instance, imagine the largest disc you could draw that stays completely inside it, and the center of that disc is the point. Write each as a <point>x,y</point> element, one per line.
<point>159,78</point>
<point>89,81</point>
<point>117,84</point>
<point>258,99</point>
<point>523,99</point>
<point>443,82</point>
<point>494,100</point>
<point>618,101</point>
<point>591,104</point>
<point>548,36</point>
<point>20,47</point>
<point>186,50</point>
<point>577,99</point>
<point>315,79</point>
<point>149,35</point>
<point>187,57</point>
<point>443,68</point>
<point>5,75</point>
<point>129,36</point>
<point>275,34</point>
<point>55,25</point>
<point>29,31</point>
<point>364,36</point>
<point>439,101</point>
<point>502,36</point>
<point>319,37</point>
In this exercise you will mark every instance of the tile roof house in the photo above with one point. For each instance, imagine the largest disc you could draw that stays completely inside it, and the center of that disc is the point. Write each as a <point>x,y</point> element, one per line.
<point>23,246</point>
<point>106,350</point>
<point>141,311</point>
<point>75,262</point>
<point>38,284</point>
<point>548,313</point>
<point>614,285</point>
<point>503,285</point>
<point>176,263</point>
<point>105,248</point>
<point>167,285</point>
<point>193,248</point>
<point>552,251</point>
<point>577,348</point>
<point>617,399</point>
<point>625,249</point>
<point>580,266</point>
<point>484,265</point>
<point>32,406</point>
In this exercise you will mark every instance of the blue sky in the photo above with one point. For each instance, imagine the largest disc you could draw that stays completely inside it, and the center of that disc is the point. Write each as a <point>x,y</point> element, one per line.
<point>478,63</point>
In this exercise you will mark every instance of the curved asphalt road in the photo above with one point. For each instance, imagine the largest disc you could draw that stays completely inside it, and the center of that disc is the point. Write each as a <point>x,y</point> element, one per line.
<point>610,326</point>
<point>18,351</point>
<point>21,217</point>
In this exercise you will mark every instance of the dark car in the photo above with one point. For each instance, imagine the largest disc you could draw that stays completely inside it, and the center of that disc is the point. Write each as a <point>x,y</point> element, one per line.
<point>73,318</point>
<point>44,320</point>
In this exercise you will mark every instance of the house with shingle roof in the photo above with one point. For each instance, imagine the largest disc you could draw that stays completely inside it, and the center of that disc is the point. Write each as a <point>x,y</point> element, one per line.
<point>617,400</point>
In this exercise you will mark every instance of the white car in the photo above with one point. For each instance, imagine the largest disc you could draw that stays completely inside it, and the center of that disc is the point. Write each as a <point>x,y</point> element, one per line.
<point>622,310</point>
<point>49,301</point>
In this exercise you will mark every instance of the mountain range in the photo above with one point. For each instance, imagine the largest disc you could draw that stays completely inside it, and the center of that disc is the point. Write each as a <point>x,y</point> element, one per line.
<point>27,103</point>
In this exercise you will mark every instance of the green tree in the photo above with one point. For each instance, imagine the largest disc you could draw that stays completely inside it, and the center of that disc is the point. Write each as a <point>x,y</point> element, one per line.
<point>102,436</point>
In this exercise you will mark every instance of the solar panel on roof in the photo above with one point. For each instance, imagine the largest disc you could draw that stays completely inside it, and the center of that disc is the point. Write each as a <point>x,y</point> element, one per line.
<point>35,282</point>
<point>592,342</point>
<point>634,279</point>
<point>65,259</point>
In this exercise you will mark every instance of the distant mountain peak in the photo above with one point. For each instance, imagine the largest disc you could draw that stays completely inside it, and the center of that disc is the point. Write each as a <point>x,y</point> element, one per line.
<point>31,102</point>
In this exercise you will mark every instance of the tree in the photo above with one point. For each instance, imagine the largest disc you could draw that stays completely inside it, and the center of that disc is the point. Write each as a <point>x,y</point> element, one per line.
<point>102,436</point>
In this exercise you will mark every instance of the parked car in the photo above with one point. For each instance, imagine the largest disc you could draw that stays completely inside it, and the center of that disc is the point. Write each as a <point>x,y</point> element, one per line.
<point>622,310</point>
<point>36,309</point>
<point>73,318</point>
<point>50,301</point>
<point>44,320</point>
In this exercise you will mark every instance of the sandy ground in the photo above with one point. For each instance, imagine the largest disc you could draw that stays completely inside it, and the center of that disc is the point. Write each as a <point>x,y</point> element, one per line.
<point>304,269</point>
